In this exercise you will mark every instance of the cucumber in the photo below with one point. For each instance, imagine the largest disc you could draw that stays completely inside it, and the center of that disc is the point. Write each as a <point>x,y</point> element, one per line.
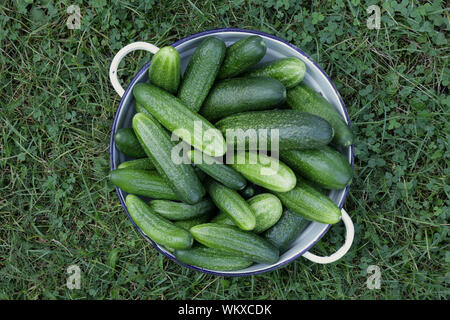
<point>179,119</point>
<point>212,259</point>
<point>142,164</point>
<point>291,129</point>
<point>264,171</point>
<point>127,143</point>
<point>232,203</point>
<point>165,69</point>
<point>250,191</point>
<point>243,94</point>
<point>155,227</point>
<point>242,55</point>
<point>286,230</point>
<point>310,204</point>
<point>326,167</point>
<point>218,170</point>
<point>158,147</point>
<point>289,71</point>
<point>223,218</point>
<point>181,211</point>
<point>236,242</point>
<point>201,72</point>
<point>142,182</point>
<point>305,99</point>
<point>188,224</point>
<point>140,109</point>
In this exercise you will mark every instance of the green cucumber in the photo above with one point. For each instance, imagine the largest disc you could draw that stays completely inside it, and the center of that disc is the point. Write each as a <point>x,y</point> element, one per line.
<point>242,55</point>
<point>142,164</point>
<point>250,191</point>
<point>310,204</point>
<point>290,129</point>
<point>286,230</point>
<point>181,211</point>
<point>264,171</point>
<point>289,71</point>
<point>158,146</point>
<point>236,242</point>
<point>142,182</point>
<point>326,167</point>
<point>305,99</point>
<point>157,228</point>
<point>180,120</point>
<point>218,170</point>
<point>212,259</point>
<point>232,203</point>
<point>165,69</point>
<point>127,143</point>
<point>223,218</point>
<point>188,224</point>
<point>243,94</point>
<point>140,109</point>
<point>201,72</point>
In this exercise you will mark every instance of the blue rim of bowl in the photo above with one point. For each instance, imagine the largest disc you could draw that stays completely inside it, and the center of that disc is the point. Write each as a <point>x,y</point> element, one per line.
<point>122,201</point>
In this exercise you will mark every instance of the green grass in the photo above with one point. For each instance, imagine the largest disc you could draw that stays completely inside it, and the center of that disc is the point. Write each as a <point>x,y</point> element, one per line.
<point>57,106</point>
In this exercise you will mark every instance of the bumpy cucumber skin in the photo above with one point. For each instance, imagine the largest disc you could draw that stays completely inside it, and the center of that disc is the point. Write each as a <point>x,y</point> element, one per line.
<point>211,259</point>
<point>232,203</point>
<point>142,182</point>
<point>158,147</point>
<point>127,143</point>
<point>264,171</point>
<point>165,69</point>
<point>181,211</point>
<point>201,72</point>
<point>249,191</point>
<point>305,99</point>
<point>142,164</point>
<point>188,224</point>
<point>243,94</point>
<point>242,55</point>
<point>223,218</point>
<point>326,167</point>
<point>295,129</point>
<point>286,230</point>
<point>173,114</point>
<point>310,204</point>
<point>236,242</point>
<point>289,71</point>
<point>155,227</point>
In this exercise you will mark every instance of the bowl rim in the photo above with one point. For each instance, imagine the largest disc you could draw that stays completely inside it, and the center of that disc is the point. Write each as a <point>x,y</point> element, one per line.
<point>122,200</point>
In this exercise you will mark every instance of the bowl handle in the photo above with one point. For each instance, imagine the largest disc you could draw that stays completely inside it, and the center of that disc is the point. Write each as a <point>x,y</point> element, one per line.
<point>120,55</point>
<point>350,233</point>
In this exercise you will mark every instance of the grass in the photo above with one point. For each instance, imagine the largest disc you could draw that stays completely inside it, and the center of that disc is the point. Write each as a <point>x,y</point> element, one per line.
<point>57,208</point>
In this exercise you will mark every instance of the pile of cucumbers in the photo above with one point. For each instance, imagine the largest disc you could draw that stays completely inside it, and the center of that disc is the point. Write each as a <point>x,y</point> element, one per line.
<point>215,213</point>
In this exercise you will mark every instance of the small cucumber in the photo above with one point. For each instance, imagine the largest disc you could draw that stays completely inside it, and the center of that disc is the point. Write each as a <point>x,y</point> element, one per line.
<point>158,147</point>
<point>232,203</point>
<point>180,120</point>
<point>155,227</point>
<point>242,55</point>
<point>127,143</point>
<point>211,259</point>
<point>310,204</point>
<point>250,191</point>
<point>326,167</point>
<point>236,242</point>
<point>188,224</point>
<point>305,99</point>
<point>181,211</point>
<point>142,164</point>
<point>289,71</point>
<point>243,94</point>
<point>165,69</point>
<point>201,72</point>
<point>290,129</point>
<point>142,182</point>
<point>264,171</point>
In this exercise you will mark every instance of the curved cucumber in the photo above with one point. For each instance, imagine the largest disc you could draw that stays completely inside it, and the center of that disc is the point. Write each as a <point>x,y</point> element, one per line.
<point>188,224</point>
<point>142,164</point>
<point>242,55</point>
<point>165,69</point>
<point>289,71</point>
<point>243,94</point>
<point>201,72</point>
<point>155,227</point>
<point>181,211</point>
<point>326,167</point>
<point>127,143</point>
<point>158,147</point>
<point>236,242</point>
<point>305,99</point>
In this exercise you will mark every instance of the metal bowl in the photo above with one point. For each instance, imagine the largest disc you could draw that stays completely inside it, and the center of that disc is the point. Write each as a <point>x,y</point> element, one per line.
<point>276,48</point>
